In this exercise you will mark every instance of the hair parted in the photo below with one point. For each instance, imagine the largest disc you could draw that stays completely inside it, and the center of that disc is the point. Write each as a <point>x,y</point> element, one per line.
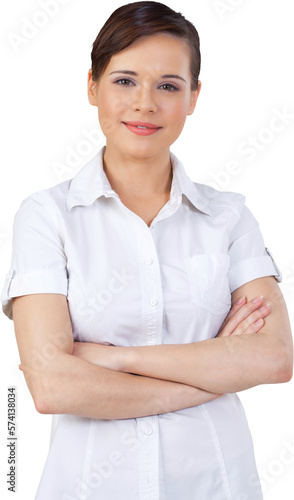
<point>134,20</point>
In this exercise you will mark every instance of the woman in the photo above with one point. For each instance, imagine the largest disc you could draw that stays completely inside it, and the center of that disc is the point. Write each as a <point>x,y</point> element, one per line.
<point>121,290</point>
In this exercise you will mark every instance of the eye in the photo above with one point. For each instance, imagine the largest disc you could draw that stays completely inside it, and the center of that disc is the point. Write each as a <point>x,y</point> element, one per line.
<point>124,82</point>
<point>169,87</point>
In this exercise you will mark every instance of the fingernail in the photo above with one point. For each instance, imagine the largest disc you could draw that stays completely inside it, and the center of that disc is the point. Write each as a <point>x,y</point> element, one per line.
<point>239,301</point>
<point>264,308</point>
<point>257,299</point>
<point>258,322</point>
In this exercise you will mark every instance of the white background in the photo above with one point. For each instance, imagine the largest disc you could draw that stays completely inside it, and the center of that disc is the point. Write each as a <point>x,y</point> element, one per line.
<point>247,78</point>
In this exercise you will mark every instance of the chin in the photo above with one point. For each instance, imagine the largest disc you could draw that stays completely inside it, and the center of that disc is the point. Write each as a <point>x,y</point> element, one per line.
<point>141,151</point>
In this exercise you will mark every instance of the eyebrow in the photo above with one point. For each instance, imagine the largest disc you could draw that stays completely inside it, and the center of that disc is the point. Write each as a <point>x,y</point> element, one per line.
<point>133,73</point>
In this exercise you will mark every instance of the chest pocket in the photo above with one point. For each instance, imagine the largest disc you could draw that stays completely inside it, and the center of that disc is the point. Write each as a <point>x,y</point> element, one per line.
<point>208,281</point>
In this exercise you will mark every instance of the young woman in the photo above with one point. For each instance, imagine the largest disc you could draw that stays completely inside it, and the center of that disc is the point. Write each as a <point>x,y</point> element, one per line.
<point>143,301</point>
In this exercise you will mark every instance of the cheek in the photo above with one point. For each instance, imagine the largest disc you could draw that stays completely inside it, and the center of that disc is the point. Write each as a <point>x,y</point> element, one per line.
<point>177,115</point>
<point>110,112</point>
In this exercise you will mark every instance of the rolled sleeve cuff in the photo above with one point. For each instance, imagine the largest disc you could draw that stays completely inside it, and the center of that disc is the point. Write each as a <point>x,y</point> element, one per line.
<point>253,268</point>
<point>29,283</point>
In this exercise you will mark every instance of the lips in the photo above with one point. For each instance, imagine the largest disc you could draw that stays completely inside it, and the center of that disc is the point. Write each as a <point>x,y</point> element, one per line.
<point>142,124</point>
<point>142,128</point>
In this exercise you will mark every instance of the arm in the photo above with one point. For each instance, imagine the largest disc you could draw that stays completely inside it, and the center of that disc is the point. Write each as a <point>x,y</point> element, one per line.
<point>231,363</point>
<point>60,382</point>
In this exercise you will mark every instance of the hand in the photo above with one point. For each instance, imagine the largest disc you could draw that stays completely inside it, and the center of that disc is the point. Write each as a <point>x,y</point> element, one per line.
<point>244,317</point>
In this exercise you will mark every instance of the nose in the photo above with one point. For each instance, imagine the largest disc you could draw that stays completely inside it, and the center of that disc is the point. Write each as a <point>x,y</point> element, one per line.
<point>144,101</point>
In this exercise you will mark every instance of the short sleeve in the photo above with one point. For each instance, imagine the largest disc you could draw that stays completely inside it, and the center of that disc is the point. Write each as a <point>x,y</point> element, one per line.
<point>38,263</point>
<point>249,258</point>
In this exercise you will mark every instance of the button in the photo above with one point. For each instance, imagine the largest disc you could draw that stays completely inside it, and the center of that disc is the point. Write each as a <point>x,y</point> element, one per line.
<point>148,261</point>
<point>148,431</point>
<point>153,302</point>
<point>151,342</point>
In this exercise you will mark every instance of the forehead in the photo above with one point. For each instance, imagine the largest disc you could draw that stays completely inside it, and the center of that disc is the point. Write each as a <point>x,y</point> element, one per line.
<point>158,52</point>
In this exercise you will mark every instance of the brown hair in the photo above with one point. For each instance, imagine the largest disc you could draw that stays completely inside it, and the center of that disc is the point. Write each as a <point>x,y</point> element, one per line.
<point>132,21</point>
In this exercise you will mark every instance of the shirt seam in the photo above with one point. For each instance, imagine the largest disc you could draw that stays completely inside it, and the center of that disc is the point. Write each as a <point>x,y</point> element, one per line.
<point>41,271</point>
<point>244,261</point>
<point>47,207</point>
<point>243,234</point>
<point>219,452</point>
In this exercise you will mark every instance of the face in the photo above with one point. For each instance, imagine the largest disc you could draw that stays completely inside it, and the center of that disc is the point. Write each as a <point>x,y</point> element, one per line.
<point>144,96</point>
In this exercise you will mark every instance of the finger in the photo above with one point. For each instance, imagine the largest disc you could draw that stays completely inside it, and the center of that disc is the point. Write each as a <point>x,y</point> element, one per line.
<point>228,325</point>
<point>255,327</point>
<point>260,313</point>
<point>239,316</point>
<point>235,307</point>
<point>240,302</point>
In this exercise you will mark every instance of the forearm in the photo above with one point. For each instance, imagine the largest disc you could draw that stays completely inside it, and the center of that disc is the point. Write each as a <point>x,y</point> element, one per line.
<point>79,387</point>
<point>219,365</point>
<point>243,354</point>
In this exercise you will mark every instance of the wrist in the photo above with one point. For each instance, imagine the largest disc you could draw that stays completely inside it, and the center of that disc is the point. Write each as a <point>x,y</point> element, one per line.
<point>126,359</point>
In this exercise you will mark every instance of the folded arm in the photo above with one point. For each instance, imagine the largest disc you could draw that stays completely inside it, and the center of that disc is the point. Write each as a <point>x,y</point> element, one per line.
<point>61,382</point>
<point>243,355</point>
<point>231,363</point>
<point>172,376</point>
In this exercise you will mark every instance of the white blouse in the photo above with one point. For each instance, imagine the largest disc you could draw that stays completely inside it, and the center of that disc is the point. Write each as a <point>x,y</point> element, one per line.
<point>128,284</point>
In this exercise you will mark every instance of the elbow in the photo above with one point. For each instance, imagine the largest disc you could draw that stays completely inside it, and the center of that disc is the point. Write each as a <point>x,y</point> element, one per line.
<point>42,399</point>
<point>48,393</point>
<point>38,389</point>
<point>42,406</point>
<point>284,364</point>
<point>287,373</point>
<point>46,389</point>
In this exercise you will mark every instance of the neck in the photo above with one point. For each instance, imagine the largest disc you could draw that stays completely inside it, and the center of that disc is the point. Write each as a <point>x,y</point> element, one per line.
<point>141,178</point>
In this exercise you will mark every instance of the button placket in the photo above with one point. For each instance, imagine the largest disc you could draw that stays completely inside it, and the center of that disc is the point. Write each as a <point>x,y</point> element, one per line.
<point>152,314</point>
<point>148,458</point>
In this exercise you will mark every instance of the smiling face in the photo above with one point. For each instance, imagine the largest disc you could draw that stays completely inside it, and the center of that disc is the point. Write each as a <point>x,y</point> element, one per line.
<point>144,96</point>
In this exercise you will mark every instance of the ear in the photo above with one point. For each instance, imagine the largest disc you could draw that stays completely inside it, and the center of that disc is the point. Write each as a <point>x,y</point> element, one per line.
<point>91,89</point>
<point>194,98</point>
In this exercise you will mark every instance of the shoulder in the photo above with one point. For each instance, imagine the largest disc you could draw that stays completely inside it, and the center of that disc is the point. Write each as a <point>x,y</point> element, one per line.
<point>218,201</point>
<point>50,198</point>
<point>227,208</point>
<point>42,211</point>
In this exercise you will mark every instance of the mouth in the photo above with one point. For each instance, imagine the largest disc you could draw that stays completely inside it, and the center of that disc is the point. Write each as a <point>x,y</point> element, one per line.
<point>142,128</point>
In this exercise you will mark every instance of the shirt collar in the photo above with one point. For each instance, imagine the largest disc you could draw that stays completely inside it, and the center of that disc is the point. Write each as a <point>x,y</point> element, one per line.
<point>91,182</point>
